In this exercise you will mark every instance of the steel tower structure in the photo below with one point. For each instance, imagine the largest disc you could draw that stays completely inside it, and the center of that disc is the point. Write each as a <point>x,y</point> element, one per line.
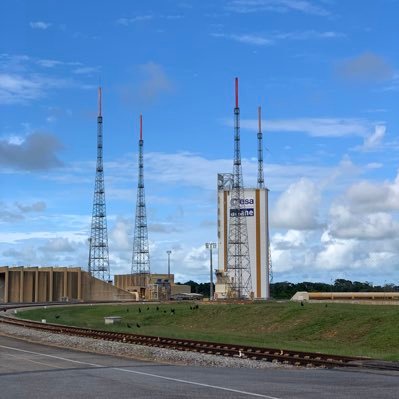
<point>261,185</point>
<point>141,253</point>
<point>261,179</point>
<point>98,253</point>
<point>238,260</point>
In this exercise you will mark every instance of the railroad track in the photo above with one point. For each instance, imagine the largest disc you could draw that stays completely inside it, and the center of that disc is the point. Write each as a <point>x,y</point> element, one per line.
<point>296,358</point>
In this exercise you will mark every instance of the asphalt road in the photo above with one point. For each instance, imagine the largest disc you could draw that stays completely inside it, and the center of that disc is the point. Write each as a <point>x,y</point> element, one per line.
<point>29,370</point>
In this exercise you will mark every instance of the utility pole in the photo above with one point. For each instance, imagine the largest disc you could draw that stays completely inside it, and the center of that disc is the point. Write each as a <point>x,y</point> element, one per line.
<point>210,246</point>
<point>169,252</point>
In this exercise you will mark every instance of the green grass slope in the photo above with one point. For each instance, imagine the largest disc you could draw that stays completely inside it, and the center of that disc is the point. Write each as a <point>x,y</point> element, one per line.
<point>354,330</point>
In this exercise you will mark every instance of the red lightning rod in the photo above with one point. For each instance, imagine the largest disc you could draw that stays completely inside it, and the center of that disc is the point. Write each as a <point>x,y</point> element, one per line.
<point>99,101</point>
<point>260,119</point>
<point>141,127</point>
<point>236,92</point>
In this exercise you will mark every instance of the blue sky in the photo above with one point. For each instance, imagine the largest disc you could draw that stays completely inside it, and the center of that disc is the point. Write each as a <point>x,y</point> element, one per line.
<point>325,72</point>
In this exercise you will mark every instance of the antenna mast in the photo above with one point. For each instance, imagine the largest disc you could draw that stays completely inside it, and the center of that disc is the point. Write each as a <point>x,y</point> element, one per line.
<point>238,260</point>
<point>98,253</point>
<point>141,253</point>
<point>261,179</point>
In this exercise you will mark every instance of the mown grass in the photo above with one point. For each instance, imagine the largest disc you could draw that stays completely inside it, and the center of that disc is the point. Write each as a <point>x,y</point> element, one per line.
<point>353,330</point>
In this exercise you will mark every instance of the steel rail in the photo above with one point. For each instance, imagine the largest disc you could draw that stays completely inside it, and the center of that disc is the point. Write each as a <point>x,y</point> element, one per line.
<point>297,358</point>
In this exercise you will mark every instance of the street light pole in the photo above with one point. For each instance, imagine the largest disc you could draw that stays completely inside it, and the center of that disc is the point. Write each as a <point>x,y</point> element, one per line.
<point>169,252</point>
<point>210,246</point>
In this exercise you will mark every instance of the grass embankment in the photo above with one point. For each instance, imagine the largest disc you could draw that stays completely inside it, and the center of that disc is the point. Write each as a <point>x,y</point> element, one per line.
<point>353,330</point>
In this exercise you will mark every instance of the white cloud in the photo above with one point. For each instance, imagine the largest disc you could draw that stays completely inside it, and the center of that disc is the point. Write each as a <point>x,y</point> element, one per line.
<point>374,140</point>
<point>16,237</point>
<point>347,225</point>
<point>367,197</point>
<point>17,211</point>
<point>337,254</point>
<point>290,239</point>
<point>86,70</point>
<point>16,89</point>
<point>297,207</point>
<point>374,165</point>
<point>138,18</point>
<point>37,152</point>
<point>38,206</point>
<point>272,38</point>
<point>309,34</point>
<point>316,127</point>
<point>49,63</point>
<point>59,244</point>
<point>147,17</point>
<point>40,25</point>
<point>121,234</point>
<point>257,40</point>
<point>154,82</point>
<point>22,79</point>
<point>366,68</point>
<point>280,6</point>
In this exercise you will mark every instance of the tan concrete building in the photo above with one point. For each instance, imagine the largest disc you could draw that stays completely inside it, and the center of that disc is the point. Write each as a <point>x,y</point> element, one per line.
<point>54,284</point>
<point>151,286</point>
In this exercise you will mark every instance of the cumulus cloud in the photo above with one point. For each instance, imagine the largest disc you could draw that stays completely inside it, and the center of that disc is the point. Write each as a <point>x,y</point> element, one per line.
<point>290,239</point>
<point>121,234</point>
<point>361,234</point>
<point>347,225</point>
<point>337,254</point>
<point>367,197</point>
<point>365,68</point>
<point>297,207</point>
<point>37,152</point>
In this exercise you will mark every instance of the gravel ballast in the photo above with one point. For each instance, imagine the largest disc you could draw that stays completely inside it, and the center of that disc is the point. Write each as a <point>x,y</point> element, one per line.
<point>130,350</point>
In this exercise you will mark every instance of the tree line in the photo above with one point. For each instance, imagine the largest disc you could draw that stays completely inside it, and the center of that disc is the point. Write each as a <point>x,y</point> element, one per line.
<point>285,289</point>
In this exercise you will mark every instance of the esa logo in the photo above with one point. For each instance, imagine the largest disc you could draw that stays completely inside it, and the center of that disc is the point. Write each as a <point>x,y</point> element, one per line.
<point>246,201</point>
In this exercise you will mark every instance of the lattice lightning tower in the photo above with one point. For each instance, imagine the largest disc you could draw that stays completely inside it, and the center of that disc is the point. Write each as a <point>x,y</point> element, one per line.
<point>238,260</point>
<point>141,253</point>
<point>261,179</point>
<point>98,253</point>
<point>261,185</point>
